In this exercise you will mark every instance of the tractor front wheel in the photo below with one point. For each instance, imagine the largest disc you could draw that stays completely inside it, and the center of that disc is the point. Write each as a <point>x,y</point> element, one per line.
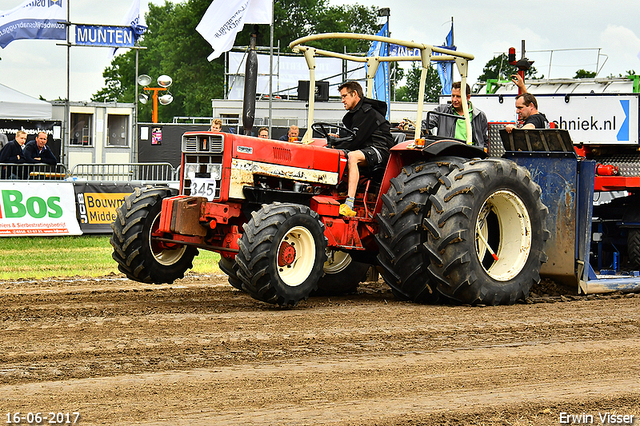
<point>230,267</point>
<point>282,253</point>
<point>139,255</point>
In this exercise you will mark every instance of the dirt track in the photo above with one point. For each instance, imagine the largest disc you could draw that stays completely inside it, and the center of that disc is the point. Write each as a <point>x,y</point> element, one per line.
<point>199,352</point>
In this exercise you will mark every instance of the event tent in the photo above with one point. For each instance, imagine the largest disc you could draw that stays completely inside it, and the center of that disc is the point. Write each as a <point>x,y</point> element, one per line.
<point>18,106</point>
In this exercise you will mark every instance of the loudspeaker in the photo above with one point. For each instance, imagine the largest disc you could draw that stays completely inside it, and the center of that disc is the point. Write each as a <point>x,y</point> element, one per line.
<point>322,90</point>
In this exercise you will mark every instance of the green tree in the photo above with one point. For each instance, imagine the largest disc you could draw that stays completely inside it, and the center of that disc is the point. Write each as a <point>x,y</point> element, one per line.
<point>585,74</point>
<point>396,74</point>
<point>499,68</point>
<point>432,90</point>
<point>629,73</point>
<point>173,47</point>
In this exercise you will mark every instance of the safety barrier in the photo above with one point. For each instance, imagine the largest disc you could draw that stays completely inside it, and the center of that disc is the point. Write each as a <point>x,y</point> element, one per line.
<point>128,172</point>
<point>33,171</point>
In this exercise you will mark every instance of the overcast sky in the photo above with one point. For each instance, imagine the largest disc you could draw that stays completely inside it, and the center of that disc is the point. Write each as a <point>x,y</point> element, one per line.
<point>482,28</point>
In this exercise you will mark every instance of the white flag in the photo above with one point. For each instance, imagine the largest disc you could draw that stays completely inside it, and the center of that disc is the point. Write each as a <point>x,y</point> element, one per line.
<point>225,18</point>
<point>34,20</point>
<point>135,20</point>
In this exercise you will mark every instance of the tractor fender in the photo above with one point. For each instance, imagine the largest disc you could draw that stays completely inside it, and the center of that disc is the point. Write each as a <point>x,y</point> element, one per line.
<point>453,148</point>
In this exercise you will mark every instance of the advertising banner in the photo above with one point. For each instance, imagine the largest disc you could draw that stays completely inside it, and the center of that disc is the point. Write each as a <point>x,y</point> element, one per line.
<point>590,119</point>
<point>97,204</point>
<point>37,209</point>
<point>225,18</point>
<point>289,70</point>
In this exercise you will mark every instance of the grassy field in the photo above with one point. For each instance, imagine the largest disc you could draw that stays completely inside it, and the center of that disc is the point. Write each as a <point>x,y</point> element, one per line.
<point>87,256</point>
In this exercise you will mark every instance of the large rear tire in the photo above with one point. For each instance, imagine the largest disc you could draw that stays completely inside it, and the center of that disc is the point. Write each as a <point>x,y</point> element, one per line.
<point>139,257</point>
<point>402,235</point>
<point>282,252</point>
<point>487,231</point>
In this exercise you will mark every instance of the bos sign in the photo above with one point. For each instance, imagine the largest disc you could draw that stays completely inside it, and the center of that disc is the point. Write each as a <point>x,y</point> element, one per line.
<point>37,209</point>
<point>590,119</point>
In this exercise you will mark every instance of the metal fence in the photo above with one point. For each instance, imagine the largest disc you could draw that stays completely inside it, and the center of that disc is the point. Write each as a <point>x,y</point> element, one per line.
<point>33,171</point>
<point>127,172</point>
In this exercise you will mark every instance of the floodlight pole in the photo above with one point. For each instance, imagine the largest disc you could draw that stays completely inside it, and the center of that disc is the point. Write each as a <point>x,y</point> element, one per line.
<point>155,91</point>
<point>136,141</point>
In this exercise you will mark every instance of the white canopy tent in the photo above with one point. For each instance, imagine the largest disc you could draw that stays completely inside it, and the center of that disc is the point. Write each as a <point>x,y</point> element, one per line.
<point>18,106</point>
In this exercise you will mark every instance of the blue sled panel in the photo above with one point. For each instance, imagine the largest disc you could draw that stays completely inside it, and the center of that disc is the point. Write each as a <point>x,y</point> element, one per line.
<point>558,180</point>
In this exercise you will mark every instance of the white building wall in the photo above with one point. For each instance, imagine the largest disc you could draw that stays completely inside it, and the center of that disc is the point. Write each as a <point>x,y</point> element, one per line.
<point>97,151</point>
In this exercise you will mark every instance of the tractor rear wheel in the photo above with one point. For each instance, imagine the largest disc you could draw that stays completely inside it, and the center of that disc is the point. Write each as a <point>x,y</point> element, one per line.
<point>139,256</point>
<point>282,252</point>
<point>487,233</point>
<point>402,235</point>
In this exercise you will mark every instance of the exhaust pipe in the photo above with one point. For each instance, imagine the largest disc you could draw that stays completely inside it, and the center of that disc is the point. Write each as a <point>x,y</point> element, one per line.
<point>250,83</point>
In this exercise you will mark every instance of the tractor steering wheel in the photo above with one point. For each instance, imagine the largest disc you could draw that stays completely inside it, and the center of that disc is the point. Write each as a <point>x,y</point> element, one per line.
<point>323,129</point>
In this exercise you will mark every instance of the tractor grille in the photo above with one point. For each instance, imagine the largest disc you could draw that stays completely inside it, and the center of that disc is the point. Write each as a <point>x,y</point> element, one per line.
<point>282,154</point>
<point>203,143</point>
<point>202,172</point>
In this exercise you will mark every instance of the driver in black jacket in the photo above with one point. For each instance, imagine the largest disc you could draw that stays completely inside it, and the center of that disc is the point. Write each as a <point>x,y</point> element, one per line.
<point>372,141</point>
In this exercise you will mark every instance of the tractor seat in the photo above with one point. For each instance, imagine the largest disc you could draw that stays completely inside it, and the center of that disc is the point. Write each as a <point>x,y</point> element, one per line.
<point>377,173</point>
<point>398,137</point>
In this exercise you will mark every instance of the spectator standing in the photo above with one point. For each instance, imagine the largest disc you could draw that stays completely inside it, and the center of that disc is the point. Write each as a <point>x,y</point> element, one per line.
<point>3,140</point>
<point>216,125</point>
<point>37,151</point>
<point>12,151</point>
<point>292,134</point>
<point>263,133</point>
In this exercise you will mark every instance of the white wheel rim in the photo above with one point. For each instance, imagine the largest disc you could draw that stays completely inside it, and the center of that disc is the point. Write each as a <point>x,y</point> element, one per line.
<point>164,256</point>
<point>300,257</point>
<point>337,261</point>
<point>513,233</point>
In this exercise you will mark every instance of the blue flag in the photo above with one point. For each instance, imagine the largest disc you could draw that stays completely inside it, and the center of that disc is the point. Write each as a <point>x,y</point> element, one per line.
<point>34,20</point>
<point>381,90</point>
<point>445,69</point>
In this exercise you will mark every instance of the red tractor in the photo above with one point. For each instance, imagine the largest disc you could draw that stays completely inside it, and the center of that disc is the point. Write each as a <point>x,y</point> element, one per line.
<point>441,220</point>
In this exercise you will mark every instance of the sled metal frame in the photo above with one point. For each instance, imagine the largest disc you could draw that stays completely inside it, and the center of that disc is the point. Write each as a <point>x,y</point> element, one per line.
<point>426,57</point>
<point>567,191</point>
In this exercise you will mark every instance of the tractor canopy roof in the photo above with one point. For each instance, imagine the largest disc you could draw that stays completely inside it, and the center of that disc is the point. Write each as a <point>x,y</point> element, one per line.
<point>427,54</point>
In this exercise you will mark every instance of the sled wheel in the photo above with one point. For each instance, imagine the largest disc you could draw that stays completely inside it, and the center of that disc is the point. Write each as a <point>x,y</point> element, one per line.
<point>487,232</point>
